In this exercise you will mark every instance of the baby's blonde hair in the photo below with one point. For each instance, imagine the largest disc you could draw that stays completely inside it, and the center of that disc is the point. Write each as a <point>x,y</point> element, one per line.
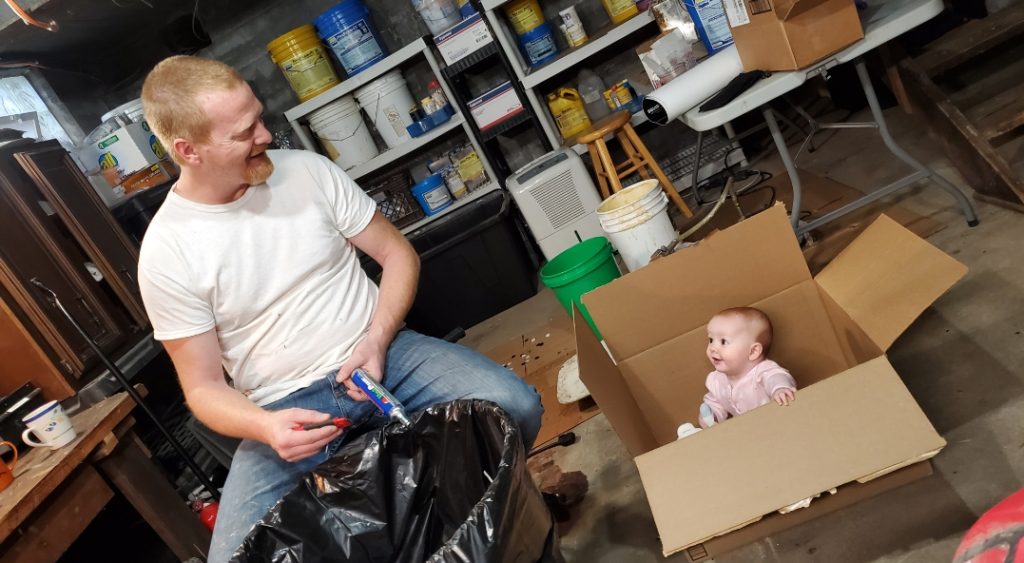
<point>759,321</point>
<point>170,97</point>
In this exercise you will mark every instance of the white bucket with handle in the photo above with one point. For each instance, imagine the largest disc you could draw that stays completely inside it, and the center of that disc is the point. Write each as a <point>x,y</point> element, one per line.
<point>387,102</point>
<point>342,132</point>
<point>637,222</point>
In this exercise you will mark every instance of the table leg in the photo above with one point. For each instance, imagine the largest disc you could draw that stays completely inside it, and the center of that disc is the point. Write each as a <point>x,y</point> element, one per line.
<point>883,129</point>
<point>787,161</point>
<point>135,476</point>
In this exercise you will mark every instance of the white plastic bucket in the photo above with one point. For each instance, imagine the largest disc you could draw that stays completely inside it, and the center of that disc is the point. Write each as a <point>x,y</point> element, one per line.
<point>342,132</point>
<point>387,102</point>
<point>637,223</point>
<point>439,15</point>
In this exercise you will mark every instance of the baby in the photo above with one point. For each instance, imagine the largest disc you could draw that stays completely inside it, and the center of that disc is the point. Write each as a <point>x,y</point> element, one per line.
<point>744,378</point>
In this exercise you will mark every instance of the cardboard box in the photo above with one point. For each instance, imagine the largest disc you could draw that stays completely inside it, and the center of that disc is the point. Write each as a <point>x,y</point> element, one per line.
<point>124,152</point>
<point>791,34</point>
<point>463,38</point>
<point>495,106</point>
<point>853,425</point>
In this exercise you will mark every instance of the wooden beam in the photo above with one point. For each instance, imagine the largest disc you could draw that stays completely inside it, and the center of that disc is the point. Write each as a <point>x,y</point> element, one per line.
<point>981,165</point>
<point>135,476</point>
<point>972,39</point>
<point>51,529</point>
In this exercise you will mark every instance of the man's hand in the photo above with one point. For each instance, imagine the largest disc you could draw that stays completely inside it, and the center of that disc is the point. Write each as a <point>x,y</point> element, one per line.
<point>291,444</point>
<point>369,355</point>
<point>784,396</point>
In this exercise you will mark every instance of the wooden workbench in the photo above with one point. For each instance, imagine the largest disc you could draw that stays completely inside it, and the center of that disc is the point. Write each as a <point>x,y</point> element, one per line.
<point>56,493</point>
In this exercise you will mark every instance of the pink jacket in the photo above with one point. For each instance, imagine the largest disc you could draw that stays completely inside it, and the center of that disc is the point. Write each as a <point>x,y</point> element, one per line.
<point>748,392</point>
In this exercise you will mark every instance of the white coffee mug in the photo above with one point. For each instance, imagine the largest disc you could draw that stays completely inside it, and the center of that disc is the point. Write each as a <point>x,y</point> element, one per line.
<point>50,425</point>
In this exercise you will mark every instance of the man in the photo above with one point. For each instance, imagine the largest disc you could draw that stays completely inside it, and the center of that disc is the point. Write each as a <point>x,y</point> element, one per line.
<point>250,266</point>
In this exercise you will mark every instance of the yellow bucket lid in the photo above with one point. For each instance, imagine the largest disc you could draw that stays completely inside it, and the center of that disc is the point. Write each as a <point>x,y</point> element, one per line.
<point>301,34</point>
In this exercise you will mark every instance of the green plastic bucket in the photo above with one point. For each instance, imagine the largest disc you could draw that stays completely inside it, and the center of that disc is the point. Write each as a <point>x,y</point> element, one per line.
<point>583,267</point>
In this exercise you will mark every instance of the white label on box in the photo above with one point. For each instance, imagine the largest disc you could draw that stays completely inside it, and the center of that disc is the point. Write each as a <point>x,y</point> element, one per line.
<point>736,11</point>
<point>495,106</point>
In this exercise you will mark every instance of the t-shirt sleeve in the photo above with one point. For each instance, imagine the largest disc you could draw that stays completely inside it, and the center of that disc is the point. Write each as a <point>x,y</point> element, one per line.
<point>351,208</point>
<point>173,310</point>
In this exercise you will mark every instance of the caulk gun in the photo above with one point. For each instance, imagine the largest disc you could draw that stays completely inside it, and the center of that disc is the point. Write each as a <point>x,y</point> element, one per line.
<point>381,397</point>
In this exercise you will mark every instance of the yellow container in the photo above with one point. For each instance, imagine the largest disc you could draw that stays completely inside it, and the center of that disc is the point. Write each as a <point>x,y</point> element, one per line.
<point>620,10</point>
<point>304,62</point>
<point>524,15</point>
<point>570,114</point>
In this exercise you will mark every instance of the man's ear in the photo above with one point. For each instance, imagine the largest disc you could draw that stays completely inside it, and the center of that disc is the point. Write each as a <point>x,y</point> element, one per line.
<point>186,151</point>
<point>756,349</point>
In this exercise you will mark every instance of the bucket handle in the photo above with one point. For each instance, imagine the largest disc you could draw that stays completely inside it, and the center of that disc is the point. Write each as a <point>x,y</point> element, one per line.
<point>360,126</point>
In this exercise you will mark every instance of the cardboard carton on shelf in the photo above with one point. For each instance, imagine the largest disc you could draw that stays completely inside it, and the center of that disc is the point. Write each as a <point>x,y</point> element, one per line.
<point>791,34</point>
<point>854,425</point>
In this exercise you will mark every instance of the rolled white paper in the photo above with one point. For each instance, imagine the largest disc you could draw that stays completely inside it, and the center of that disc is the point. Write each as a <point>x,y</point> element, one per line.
<point>688,90</point>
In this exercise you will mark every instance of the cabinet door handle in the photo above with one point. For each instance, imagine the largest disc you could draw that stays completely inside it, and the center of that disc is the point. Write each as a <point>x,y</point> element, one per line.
<point>128,274</point>
<point>92,316</point>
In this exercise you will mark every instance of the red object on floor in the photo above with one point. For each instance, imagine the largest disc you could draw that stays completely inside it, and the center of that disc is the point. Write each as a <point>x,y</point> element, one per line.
<point>208,515</point>
<point>998,536</point>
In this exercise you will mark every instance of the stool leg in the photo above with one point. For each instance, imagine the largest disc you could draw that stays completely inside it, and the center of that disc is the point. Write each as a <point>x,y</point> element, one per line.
<point>634,156</point>
<point>666,185</point>
<point>609,165</point>
<point>596,161</point>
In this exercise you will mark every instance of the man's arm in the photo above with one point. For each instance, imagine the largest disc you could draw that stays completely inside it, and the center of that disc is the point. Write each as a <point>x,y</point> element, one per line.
<point>225,410</point>
<point>381,241</point>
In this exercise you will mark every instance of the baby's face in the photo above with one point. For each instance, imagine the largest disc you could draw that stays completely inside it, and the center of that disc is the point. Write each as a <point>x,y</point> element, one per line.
<point>730,341</point>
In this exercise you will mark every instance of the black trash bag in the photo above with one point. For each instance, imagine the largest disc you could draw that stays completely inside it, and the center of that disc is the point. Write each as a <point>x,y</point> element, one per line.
<point>411,495</point>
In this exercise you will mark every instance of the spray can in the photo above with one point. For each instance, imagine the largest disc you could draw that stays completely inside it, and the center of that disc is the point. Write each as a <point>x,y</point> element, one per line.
<point>381,397</point>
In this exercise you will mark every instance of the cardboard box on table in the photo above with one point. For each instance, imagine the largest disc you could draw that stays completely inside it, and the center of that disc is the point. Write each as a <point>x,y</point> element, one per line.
<point>853,425</point>
<point>791,34</point>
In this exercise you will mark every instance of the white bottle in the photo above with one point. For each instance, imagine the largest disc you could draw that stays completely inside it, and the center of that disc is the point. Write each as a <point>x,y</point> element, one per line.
<point>591,89</point>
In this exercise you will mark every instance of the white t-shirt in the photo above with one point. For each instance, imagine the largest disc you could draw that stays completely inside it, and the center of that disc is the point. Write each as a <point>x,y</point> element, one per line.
<point>273,272</point>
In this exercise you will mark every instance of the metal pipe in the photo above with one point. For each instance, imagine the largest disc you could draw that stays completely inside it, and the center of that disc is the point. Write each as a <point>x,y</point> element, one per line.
<point>200,474</point>
<point>883,130</point>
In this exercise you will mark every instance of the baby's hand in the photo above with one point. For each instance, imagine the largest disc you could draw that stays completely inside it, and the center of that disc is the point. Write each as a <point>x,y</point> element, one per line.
<point>784,396</point>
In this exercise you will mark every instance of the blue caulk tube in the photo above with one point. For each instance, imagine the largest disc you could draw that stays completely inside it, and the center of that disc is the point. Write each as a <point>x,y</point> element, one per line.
<point>381,397</point>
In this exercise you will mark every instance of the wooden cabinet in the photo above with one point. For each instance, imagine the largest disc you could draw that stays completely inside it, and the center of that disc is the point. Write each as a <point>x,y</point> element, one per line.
<point>55,229</point>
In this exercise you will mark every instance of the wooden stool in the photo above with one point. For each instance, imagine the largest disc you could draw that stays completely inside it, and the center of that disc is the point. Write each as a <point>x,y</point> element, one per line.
<point>640,160</point>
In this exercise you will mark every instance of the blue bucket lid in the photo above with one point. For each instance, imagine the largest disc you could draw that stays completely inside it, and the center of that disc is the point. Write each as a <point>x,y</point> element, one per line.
<point>340,11</point>
<point>426,185</point>
<point>536,33</point>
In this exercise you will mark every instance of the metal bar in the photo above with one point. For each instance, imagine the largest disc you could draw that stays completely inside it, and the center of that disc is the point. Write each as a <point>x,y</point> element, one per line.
<point>787,161</point>
<point>861,202</point>
<point>883,130</point>
<point>850,125</point>
<point>696,169</point>
<point>114,371</point>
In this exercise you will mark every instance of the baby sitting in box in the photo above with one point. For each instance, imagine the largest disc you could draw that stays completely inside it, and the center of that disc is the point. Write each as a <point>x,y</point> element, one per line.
<point>744,378</point>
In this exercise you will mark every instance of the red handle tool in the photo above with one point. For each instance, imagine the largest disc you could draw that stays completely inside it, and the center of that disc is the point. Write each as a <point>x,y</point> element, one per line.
<point>340,422</point>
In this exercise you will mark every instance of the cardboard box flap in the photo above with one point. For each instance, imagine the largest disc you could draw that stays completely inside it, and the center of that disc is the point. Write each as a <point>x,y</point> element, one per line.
<point>610,391</point>
<point>789,9</point>
<point>838,430</point>
<point>740,265</point>
<point>887,277</point>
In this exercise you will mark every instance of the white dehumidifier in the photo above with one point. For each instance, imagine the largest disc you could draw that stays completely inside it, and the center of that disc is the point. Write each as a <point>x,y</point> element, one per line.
<point>558,200</point>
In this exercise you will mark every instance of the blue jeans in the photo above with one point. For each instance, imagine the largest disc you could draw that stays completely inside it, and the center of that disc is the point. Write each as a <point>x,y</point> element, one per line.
<point>420,371</point>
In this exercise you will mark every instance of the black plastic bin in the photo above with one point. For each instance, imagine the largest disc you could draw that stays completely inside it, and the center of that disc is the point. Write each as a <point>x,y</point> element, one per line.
<point>135,213</point>
<point>474,265</point>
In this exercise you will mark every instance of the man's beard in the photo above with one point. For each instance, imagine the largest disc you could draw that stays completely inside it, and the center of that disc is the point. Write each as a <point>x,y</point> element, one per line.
<point>260,168</point>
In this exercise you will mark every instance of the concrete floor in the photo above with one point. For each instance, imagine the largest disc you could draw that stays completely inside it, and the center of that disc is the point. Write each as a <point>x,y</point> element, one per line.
<point>960,360</point>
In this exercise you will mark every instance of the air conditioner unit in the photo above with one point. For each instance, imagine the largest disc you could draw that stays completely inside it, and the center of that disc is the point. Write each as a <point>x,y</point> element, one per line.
<point>558,200</point>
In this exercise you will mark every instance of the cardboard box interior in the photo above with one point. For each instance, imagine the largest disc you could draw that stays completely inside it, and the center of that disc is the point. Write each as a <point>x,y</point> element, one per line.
<point>853,418</point>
